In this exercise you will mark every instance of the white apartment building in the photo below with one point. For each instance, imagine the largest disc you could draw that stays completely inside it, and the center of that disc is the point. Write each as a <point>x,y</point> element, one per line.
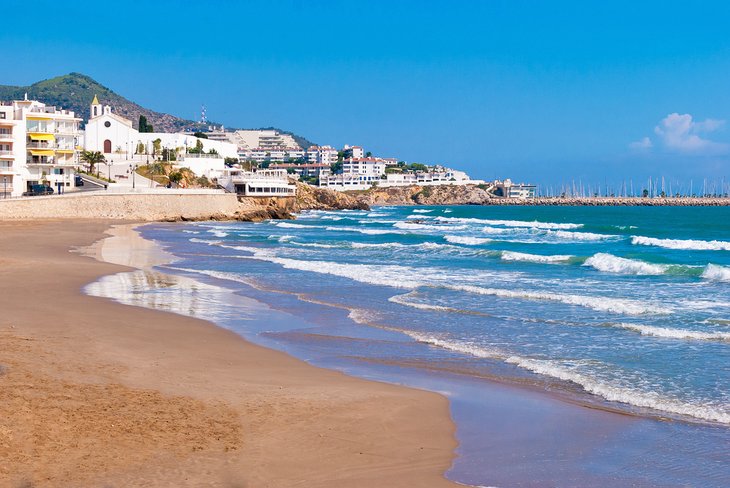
<point>363,181</point>
<point>322,154</point>
<point>363,166</point>
<point>37,146</point>
<point>356,152</point>
<point>282,154</point>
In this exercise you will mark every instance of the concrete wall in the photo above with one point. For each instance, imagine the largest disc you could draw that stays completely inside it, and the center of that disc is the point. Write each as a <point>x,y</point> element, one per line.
<point>150,207</point>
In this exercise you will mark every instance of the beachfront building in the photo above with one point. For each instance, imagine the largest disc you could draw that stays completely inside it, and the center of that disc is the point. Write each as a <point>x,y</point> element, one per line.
<point>116,137</point>
<point>259,183</point>
<point>515,190</point>
<point>37,147</point>
<point>305,170</point>
<point>359,177</point>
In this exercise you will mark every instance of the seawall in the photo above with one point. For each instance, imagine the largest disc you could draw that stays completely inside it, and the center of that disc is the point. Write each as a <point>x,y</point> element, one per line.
<point>130,206</point>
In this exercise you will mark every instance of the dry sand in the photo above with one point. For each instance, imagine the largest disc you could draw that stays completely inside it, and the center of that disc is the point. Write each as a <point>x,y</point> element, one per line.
<point>95,393</point>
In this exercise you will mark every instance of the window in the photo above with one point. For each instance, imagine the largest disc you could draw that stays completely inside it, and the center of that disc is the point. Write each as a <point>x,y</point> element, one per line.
<point>2,115</point>
<point>107,124</point>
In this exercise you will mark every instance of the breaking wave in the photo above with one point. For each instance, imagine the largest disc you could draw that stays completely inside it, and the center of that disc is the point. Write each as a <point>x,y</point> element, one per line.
<point>534,258</point>
<point>685,244</point>
<point>614,264</point>
<point>512,223</point>
<point>580,236</point>
<point>587,382</point>
<point>714,272</point>
<point>603,304</point>
<point>466,240</point>
<point>669,333</point>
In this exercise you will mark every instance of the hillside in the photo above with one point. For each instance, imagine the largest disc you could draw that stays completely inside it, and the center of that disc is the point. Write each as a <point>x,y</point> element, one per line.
<point>75,91</point>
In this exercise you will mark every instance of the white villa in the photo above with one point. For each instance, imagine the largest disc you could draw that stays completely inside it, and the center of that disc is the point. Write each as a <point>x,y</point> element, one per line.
<point>38,145</point>
<point>117,139</point>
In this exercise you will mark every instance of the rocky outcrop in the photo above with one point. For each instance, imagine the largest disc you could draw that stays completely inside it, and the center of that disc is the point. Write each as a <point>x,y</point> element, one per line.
<point>313,198</point>
<point>426,195</point>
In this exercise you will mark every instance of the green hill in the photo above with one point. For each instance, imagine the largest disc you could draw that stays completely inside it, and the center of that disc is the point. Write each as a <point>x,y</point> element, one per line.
<point>75,91</point>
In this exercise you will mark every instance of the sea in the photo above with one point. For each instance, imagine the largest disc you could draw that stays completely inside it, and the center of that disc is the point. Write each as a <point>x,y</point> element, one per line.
<point>579,346</point>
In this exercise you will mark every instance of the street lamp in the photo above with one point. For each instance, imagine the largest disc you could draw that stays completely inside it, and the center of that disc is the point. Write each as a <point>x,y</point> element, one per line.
<point>5,187</point>
<point>133,170</point>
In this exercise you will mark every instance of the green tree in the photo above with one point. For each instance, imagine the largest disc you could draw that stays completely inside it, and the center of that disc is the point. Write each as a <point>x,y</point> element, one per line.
<point>336,167</point>
<point>645,193</point>
<point>230,161</point>
<point>200,135</point>
<point>141,148</point>
<point>92,158</point>
<point>156,146</point>
<point>143,125</point>
<point>198,149</point>
<point>368,154</point>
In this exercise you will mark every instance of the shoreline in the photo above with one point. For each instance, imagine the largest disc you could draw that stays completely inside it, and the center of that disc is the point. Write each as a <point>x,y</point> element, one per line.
<point>131,397</point>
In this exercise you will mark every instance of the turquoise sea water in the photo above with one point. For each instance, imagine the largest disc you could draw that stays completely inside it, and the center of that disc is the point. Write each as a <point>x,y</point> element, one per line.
<point>621,308</point>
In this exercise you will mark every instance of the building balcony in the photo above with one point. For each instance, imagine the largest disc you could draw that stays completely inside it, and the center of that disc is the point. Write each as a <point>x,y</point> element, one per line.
<point>6,136</point>
<point>6,170</point>
<point>40,145</point>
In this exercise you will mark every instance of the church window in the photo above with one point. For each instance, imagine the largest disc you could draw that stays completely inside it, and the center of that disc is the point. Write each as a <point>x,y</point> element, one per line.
<point>107,124</point>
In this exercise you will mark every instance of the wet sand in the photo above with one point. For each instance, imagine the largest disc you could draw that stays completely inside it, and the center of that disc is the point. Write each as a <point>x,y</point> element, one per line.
<point>96,393</point>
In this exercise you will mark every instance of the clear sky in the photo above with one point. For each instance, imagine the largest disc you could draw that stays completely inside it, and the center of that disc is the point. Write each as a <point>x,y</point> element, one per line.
<point>540,91</point>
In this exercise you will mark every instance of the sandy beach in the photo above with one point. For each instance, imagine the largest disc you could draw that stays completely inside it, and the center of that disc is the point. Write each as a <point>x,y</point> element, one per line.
<point>95,393</point>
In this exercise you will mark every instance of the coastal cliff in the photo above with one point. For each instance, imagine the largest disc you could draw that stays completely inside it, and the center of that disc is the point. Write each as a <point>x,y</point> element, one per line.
<point>427,195</point>
<point>256,209</point>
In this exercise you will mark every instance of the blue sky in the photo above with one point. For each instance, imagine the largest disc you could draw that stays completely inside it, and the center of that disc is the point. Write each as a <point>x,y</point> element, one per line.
<point>540,91</point>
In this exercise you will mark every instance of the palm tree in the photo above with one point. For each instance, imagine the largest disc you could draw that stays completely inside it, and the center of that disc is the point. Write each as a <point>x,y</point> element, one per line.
<point>92,158</point>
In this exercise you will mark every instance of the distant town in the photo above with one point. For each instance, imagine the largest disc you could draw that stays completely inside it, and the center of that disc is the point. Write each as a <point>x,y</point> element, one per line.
<point>44,150</point>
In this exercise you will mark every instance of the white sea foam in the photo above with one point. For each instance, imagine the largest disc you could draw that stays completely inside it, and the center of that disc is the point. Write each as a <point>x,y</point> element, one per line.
<point>604,304</point>
<point>290,225</point>
<point>670,333</point>
<point>714,272</point>
<point>403,300</point>
<point>534,258</point>
<point>415,226</point>
<point>285,238</point>
<point>469,241</point>
<point>397,245</point>
<point>498,230</point>
<point>218,233</point>
<point>377,214</point>
<point>204,241</point>
<point>365,231</point>
<point>614,264</point>
<point>512,223</point>
<point>421,210</point>
<point>191,231</point>
<point>685,244</point>
<point>588,382</point>
<point>621,394</point>
<point>313,244</point>
<point>580,236</point>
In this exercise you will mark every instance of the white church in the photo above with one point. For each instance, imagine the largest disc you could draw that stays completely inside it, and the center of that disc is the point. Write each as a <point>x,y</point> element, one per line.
<point>116,138</point>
